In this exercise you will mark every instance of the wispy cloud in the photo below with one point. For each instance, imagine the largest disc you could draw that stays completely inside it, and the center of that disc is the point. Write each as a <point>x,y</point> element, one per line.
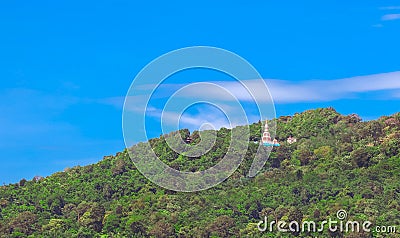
<point>396,94</point>
<point>202,115</point>
<point>282,92</point>
<point>390,8</point>
<point>192,121</point>
<point>377,25</point>
<point>327,90</point>
<point>285,91</point>
<point>390,17</point>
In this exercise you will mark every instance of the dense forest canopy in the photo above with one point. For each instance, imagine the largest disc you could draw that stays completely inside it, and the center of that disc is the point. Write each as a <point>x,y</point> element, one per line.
<point>338,162</point>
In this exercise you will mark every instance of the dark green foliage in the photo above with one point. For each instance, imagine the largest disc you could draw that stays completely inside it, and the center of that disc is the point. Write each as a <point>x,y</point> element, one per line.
<point>362,157</point>
<point>338,162</point>
<point>222,226</point>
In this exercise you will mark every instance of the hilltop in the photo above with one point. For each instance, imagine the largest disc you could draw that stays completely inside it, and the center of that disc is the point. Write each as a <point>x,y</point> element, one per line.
<point>337,162</point>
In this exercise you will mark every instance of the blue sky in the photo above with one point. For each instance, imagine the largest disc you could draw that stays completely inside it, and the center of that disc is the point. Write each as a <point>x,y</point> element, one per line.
<point>67,65</point>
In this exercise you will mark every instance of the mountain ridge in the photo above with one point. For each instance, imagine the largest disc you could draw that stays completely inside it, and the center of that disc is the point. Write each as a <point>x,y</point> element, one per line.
<point>338,162</point>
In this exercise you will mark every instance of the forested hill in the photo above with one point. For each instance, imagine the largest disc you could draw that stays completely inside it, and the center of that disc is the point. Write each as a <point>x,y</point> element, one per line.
<point>338,162</point>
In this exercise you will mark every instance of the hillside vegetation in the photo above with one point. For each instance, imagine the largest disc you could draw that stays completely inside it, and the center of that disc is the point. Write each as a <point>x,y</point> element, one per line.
<point>338,162</point>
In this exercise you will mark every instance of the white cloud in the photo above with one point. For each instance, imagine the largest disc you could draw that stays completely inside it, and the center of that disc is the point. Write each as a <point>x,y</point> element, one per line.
<point>375,82</point>
<point>377,25</point>
<point>390,8</point>
<point>390,17</point>
<point>396,94</point>
<point>284,91</point>
<point>192,121</point>
<point>133,103</point>
<point>327,90</point>
<point>117,102</point>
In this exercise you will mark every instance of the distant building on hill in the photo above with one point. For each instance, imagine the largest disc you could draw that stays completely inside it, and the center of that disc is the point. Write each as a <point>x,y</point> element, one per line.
<point>291,140</point>
<point>266,138</point>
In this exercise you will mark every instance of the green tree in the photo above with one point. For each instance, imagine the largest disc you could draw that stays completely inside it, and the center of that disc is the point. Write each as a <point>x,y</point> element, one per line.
<point>324,152</point>
<point>223,226</point>
<point>93,217</point>
<point>25,223</point>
